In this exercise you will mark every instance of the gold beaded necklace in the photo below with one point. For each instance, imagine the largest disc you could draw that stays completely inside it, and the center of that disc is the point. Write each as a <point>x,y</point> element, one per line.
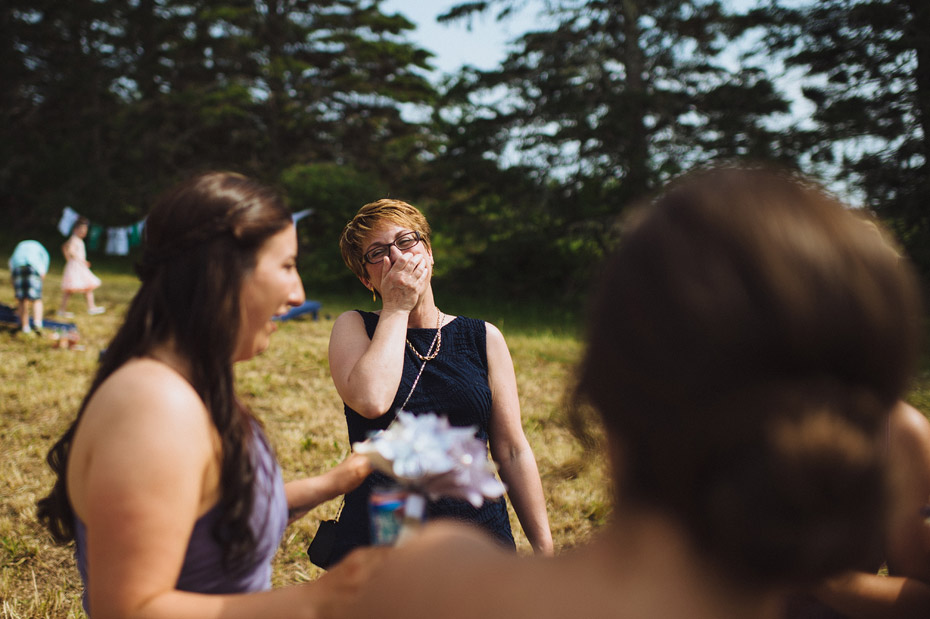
<point>436,344</point>
<point>430,354</point>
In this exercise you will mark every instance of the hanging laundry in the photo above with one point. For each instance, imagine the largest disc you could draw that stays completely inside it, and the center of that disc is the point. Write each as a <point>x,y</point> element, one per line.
<point>113,240</point>
<point>68,217</point>
<point>93,236</point>
<point>135,233</point>
<point>117,241</point>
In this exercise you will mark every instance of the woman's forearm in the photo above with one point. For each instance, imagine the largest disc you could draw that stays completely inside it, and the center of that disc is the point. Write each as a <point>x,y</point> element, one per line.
<point>314,600</point>
<point>367,377</point>
<point>524,488</point>
<point>305,494</point>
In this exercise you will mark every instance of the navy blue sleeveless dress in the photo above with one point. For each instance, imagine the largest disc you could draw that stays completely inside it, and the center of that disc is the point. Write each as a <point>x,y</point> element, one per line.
<point>453,385</point>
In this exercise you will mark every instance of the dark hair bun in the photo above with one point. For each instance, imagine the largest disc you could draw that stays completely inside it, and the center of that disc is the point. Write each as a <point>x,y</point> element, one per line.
<point>782,498</point>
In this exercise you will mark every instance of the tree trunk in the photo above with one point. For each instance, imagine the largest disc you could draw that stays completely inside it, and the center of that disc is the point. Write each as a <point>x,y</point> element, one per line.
<point>637,181</point>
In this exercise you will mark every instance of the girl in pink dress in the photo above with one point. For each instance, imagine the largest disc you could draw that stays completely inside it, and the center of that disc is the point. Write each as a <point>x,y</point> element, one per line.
<point>77,276</point>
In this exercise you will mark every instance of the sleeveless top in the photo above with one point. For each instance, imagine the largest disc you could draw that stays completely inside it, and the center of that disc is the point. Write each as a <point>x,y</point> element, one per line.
<point>202,570</point>
<point>453,385</point>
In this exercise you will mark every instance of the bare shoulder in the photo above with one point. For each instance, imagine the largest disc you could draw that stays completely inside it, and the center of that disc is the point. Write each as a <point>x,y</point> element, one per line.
<point>346,323</point>
<point>143,431</point>
<point>493,332</point>
<point>497,345</point>
<point>348,316</point>
<point>143,404</point>
<point>148,386</point>
<point>908,538</point>
<point>909,430</point>
<point>145,372</point>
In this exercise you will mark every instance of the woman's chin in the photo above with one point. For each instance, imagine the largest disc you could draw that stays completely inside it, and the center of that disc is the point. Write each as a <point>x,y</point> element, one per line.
<point>253,351</point>
<point>257,346</point>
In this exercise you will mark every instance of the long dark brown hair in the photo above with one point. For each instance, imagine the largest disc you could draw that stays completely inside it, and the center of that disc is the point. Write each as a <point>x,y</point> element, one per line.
<point>199,241</point>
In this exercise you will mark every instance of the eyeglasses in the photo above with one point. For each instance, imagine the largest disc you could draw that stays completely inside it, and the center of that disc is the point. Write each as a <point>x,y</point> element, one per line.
<point>403,242</point>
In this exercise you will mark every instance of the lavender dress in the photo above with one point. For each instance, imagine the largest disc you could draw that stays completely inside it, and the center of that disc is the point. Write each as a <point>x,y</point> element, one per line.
<point>202,571</point>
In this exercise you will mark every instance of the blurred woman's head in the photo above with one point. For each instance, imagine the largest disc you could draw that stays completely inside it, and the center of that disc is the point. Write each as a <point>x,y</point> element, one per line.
<point>746,344</point>
<point>372,216</point>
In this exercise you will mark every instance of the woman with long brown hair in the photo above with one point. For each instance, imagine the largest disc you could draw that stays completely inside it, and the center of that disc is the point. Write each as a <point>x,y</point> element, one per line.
<point>165,480</point>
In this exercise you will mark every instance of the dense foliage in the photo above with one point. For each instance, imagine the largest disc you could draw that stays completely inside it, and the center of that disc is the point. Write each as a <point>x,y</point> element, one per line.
<point>601,104</point>
<point>112,100</point>
<point>522,169</point>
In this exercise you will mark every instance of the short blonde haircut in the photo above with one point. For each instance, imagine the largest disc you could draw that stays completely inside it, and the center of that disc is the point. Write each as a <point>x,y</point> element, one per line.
<point>371,216</point>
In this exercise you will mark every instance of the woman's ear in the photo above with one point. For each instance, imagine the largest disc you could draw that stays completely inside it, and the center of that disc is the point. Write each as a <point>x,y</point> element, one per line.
<point>367,284</point>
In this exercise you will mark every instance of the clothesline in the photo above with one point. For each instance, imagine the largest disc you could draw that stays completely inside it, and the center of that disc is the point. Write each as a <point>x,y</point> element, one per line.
<point>117,239</point>
<point>120,239</point>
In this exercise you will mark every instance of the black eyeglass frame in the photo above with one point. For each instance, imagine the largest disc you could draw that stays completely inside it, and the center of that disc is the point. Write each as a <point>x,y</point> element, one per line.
<point>400,240</point>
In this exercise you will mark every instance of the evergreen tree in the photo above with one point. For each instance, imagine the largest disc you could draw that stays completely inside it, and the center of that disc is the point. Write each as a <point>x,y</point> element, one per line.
<point>629,92</point>
<point>867,74</point>
<point>116,99</point>
<point>598,106</point>
<point>57,98</point>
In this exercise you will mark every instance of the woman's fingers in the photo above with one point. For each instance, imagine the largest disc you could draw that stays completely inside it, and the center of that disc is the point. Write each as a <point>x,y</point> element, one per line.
<point>405,278</point>
<point>407,271</point>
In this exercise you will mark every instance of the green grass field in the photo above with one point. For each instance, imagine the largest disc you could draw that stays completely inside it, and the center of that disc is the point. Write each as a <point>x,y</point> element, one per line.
<point>289,388</point>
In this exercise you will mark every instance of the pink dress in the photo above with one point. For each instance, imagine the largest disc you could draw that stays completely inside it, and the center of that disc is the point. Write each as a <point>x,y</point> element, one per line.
<point>77,277</point>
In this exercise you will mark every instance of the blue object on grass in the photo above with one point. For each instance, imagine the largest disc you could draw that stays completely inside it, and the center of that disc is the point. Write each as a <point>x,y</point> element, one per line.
<point>307,307</point>
<point>8,316</point>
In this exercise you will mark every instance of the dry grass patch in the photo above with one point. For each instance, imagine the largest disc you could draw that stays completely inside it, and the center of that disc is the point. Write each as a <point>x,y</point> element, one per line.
<point>289,388</point>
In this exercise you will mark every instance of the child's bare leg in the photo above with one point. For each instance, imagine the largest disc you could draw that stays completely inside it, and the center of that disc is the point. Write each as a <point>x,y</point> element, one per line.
<point>64,303</point>
<point>38,309</point>
<point>92,307</point>
<point>22,312</point>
